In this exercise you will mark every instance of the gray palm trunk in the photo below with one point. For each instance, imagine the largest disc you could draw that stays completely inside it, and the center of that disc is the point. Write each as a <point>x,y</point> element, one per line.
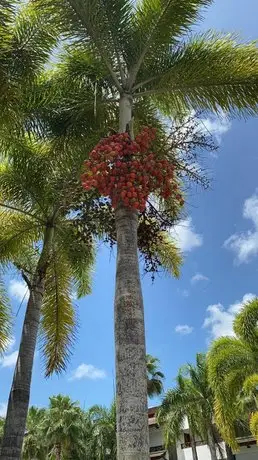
<point>131,376</point>
<point>230,455</point>
<point>193,445</point>
<point>18,403</point>
<point>212,445</point>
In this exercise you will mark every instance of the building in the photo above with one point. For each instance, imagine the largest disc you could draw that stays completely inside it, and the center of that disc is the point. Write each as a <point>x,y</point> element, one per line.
<point>248,450</point>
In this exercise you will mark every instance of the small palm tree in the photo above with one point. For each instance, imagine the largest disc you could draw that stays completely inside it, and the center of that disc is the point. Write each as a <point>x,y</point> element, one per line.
<point>103,432</point>
<point>34,446</point>
<point>192,398</point>
<point>5,319</point>
<point>233,374</point>
<point>144,54</point>
<point>154,377</point>
<point>62,426</point>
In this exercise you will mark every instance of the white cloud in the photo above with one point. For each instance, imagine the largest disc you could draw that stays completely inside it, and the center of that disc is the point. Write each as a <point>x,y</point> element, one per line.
<point>18,290</point>
<point>183,329</point>
<point>198,277</point>
<point>185,236</point>
<point>88,371</point>
<point>10,344</point>
<point>3,409</point>
<point>216,125</point>
<point>219,321</point>
<point>9,360</point>
<point>245,245</point>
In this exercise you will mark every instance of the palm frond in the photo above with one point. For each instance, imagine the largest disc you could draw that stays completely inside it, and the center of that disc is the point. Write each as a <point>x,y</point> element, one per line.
<point>158,25</point>
<point>254,425</point>
<point>210,72</point>
<point>17,232</point>
<point>5,319</point>
<point>80,255</point>
<point>169,254</point>
<point>33,40</point>
<point>245,324</point>
<point>58,323</point>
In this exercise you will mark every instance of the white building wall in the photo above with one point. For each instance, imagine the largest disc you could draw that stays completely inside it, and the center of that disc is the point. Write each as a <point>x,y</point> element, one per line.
<point>156,437</point>
<point>202,451</point>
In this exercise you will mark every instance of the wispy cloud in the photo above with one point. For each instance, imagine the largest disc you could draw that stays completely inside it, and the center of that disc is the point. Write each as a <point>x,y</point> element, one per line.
<point>198,277</point>
<point>216,125</point>
<point>219,320</point>
<point>245,244</point>
<point>9,360</point>
<point>88,371</point>
<point>18,290</point>
<point>185,235</point>
<point>183,329</point>
<point>3,409</point>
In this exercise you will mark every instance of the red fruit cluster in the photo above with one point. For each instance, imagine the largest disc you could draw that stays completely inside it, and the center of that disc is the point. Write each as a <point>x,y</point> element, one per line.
<point>127,171</point>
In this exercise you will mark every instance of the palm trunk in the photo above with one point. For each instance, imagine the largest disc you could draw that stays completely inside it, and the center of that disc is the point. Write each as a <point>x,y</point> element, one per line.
<point>193,445</point>
<point>58,452</point>
<point>212,445</point>
<point>131,376</point>
<point>230,455</point>
<point>19,396</point>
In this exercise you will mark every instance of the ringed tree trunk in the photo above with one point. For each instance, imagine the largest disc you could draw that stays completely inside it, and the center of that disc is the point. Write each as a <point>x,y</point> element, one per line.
<point>212,445</point>
<point>58,452</point>
<point>18,403</point>
<point>131,376</point>
<point>193,445</point>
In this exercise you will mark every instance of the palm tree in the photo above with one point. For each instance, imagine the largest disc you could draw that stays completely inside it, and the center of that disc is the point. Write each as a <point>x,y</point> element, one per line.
<point>154,377</point>
<point>103,432</point>
<point>34,446</point>
<point>233,374</point>
<point>192,398</point>
<point>38,236</point>
<point>62,426</point>
<point>144,54</point>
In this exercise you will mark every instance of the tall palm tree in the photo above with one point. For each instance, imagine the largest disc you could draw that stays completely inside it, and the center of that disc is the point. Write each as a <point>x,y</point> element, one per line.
<point>34,446</point>
<point>192,398</point>
<point>154,377</point>
<point>233,374</point>
<point>38,236</point>
<point>143,49</point>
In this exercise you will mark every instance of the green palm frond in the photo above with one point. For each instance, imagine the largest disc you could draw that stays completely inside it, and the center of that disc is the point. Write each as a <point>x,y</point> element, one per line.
<point>58,324</point>
<point>211,72</point>
<point>81,257</point>
<point>33,40</point>
<point>17,232</point>
<point>254,425</point>
<point>245,324</point>
<point>229,361</point>
<point>5,319</point>
<point>169,254</point>
<point>250,385</point>
<point>158,25</point>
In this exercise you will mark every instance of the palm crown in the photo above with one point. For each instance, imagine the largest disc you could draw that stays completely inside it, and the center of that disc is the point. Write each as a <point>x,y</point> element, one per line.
<point>145,52</point>
<point>34,193</point>
<point>233,374</point>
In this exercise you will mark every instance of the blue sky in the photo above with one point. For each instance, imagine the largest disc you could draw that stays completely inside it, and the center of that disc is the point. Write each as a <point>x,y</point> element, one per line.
<point>219,238</point>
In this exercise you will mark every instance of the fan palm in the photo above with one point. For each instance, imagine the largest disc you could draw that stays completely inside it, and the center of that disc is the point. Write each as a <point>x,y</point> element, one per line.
<point>233,374</point>
<point>38,236</point>
<point>62,426</point>
<point>154,377</point>
<point>34,446</point>
<point>103,432</point>
<point>192,398</point>
<point>143,48</point>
